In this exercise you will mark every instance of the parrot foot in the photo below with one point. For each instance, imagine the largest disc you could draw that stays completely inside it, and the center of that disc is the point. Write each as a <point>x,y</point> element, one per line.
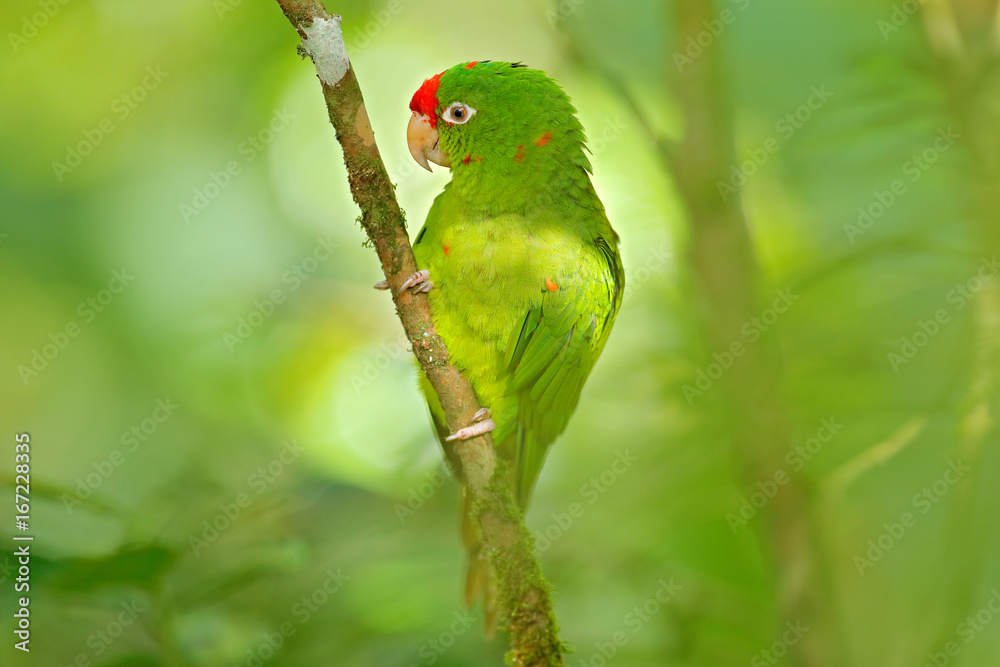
<point>482,424</point>
<point>419,281</point>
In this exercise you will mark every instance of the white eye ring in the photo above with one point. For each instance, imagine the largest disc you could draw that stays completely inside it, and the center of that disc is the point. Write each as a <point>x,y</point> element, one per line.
<point>458,113</point>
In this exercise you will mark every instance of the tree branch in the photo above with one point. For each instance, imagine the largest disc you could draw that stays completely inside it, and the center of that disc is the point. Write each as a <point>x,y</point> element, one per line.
<point>724,264</point>
<point>525,604</point>
<point>964,38</point>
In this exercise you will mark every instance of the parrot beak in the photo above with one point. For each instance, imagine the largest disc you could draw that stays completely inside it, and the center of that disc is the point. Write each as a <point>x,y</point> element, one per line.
<point>423,142</point>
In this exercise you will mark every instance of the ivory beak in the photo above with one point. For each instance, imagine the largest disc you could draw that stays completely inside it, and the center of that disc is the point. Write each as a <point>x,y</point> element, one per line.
<point>423,142</point>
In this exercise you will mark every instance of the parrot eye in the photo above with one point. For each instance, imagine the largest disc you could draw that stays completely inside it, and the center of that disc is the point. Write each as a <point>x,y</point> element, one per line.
<point>458,113</point>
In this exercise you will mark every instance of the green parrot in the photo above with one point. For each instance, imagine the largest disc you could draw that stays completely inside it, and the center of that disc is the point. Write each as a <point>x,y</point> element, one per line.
<point>524,265</point>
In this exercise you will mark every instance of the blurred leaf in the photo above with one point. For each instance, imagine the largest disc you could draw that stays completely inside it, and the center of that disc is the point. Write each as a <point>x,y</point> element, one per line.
<point>142,566</point>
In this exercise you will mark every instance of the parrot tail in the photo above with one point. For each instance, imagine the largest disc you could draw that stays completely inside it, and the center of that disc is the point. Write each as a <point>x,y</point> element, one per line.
<point>479,577</point>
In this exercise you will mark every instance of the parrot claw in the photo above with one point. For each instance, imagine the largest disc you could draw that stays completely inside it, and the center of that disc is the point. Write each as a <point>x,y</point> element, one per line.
<point>419,281</point>
<point>483,424</point>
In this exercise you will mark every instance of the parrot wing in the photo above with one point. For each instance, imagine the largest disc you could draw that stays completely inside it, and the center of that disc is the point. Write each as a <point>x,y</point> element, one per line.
<point>550,355</point>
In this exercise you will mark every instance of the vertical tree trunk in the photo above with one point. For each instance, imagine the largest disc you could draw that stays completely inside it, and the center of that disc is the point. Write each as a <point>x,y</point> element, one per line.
<point>964,36</point>
<point>728,284</point>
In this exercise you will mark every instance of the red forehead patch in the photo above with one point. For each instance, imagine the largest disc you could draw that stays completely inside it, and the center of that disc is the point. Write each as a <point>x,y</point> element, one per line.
<point>425,99</point>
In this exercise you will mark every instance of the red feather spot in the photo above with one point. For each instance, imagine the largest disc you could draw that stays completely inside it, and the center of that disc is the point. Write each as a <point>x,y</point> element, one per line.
<point>446,249</point>
<point>544,139</point>
<point>466,159</point>
<point>519,157</point>
<point>425,99</point>
<point>479,159</point>
<point>551,286</point>
<point>471,65</point>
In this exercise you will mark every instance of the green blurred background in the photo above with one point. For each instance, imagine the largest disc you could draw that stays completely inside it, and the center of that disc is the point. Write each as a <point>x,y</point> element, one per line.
<point>232,465</point>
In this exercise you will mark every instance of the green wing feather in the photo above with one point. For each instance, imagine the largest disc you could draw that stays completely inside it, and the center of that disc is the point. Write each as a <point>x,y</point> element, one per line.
<point>548,359</point>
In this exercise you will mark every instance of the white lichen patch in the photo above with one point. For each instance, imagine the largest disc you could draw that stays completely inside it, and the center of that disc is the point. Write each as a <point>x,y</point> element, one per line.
<point>325,43</point>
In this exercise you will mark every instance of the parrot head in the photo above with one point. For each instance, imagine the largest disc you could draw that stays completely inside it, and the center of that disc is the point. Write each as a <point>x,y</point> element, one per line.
<point>494,119</point>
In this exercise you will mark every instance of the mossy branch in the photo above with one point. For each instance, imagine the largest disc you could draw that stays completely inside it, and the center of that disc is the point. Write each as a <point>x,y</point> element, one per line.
<point>525,603</point>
